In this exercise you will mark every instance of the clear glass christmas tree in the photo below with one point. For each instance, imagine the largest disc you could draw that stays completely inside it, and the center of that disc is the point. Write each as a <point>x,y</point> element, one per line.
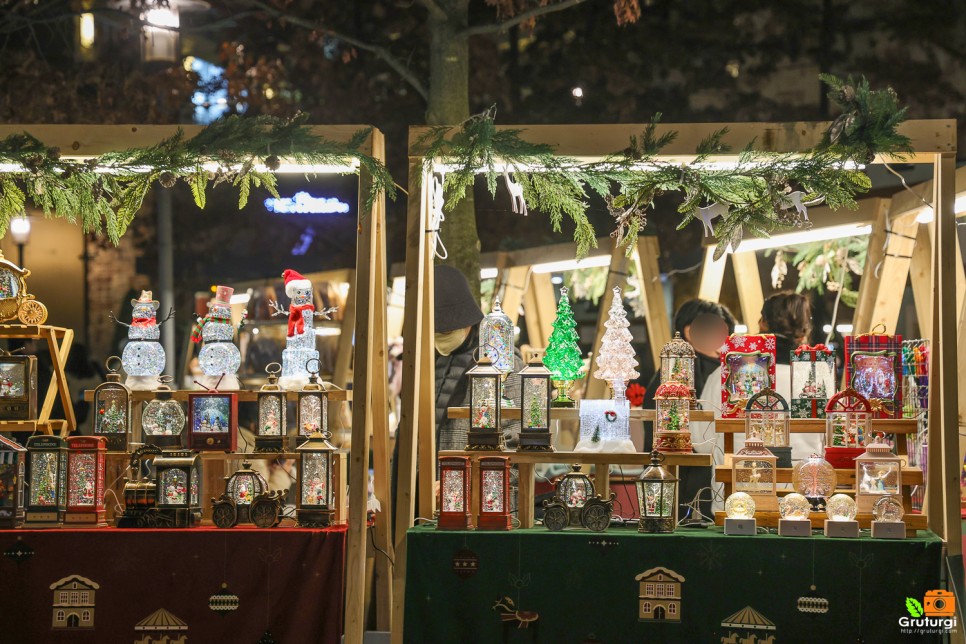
<point>563,356</point>
<point>616,360</point>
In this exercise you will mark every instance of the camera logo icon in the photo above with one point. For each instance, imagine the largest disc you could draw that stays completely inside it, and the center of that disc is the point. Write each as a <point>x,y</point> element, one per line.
<point>939,603</point>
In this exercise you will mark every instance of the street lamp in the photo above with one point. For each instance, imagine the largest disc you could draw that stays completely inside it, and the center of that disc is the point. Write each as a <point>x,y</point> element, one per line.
<point>20,232</point>
<point>160,23</point>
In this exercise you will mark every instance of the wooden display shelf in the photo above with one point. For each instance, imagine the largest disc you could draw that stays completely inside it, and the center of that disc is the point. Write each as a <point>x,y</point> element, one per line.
<point>845,477</point>
<point>244,395</point>
<point>600,460</point>
<point>572,413</point>
<point>34,426</point>
<point>59,341</point>
<point>770,519</point>
<point>817,425</point>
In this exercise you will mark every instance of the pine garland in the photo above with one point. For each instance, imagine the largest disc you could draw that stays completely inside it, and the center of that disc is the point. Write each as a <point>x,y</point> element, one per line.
<point>106,192</point>
<point>755,189</point>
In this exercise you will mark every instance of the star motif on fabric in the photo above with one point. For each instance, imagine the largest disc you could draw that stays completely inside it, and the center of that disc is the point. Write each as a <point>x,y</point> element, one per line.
<point>710,556</point>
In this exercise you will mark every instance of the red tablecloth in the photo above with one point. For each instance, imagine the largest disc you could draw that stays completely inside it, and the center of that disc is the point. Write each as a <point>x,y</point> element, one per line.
<point>112,585</point>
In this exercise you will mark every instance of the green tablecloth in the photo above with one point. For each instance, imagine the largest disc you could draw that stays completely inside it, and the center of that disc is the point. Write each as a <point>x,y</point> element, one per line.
<point>582,586</point>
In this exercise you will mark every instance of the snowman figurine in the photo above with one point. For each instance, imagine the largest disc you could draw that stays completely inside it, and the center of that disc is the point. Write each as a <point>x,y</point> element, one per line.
<point>300,341</point>
<point>219,358</point>
<point>143,357</point>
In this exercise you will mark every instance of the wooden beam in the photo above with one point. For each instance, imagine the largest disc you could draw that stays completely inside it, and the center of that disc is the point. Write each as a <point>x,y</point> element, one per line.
<point>539,307</point>
<point>712,276</point>
<point>343,356</point>
<point>920,277</point>
<point>413,383</point>
<point>616,276</point>
<point>652,291</point>
<point>750,294</point>
<point>514,285</point>
<point>893,273</point>
<point>869,283</point>
<point>370,357</point>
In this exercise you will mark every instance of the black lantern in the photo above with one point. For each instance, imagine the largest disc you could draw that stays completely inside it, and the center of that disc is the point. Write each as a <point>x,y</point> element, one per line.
<point>657,491</point>
<point>313,406</point>
<point>535,407</point>
<point>270,433</point>
<point>162,419</point>
<point>13,464</point>
<point>178,485</point>
<point>112,408</point>
<point>47,481</point>
<point>316,502</point>
<point>18,386</point>
<point>485,406</point>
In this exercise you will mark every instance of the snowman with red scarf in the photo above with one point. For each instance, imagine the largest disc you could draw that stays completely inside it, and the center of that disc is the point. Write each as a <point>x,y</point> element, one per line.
<point>300,339</point>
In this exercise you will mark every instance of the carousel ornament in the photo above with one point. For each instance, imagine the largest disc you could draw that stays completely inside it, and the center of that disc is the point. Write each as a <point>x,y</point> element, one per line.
<point>219,358</point>
<point>300,340</point>
<point>143,357</point>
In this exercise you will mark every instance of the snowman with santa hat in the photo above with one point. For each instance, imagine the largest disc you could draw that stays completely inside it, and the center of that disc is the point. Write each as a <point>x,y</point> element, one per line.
<point>300,340</point>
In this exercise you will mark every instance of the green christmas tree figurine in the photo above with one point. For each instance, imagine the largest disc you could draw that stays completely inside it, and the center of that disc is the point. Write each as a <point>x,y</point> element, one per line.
<point>563,356</point>
<point>112,420</point>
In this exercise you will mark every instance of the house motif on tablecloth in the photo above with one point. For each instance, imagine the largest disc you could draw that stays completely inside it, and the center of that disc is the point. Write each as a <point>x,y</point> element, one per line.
<point>747,625</point>
<point>73,603</point>
<point>160,627</point>
<point>660,595</point>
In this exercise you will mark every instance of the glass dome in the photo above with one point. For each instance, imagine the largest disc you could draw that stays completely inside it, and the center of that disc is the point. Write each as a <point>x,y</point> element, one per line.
<point>496,338</point>
<point>740,506</point>
<point>814,477</point>
<point>841,507</point>
<point>677,361</point>
<point>163,418</point>
<point>888,509</point>
<point>245,484</point>
<point>575,489</point>
<point>794,506</point>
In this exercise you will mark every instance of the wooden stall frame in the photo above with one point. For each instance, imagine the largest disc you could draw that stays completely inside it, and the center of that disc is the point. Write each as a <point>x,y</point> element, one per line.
<point>58,341</point>
<point>369,414</point>
<point>933,141</point>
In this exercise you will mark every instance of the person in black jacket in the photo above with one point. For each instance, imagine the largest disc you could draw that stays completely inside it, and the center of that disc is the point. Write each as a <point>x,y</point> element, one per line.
<point>457,318</point>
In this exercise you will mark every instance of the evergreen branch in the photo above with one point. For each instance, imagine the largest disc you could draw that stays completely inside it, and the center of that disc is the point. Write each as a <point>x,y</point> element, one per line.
<point>755,188</point>
<point>106,192</point>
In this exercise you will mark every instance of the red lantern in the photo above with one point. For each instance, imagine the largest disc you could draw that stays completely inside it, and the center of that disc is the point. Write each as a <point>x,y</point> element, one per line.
<point>454,493</point>
<point>494,493</point>
<point>848,417</point>
<point>86,456</point>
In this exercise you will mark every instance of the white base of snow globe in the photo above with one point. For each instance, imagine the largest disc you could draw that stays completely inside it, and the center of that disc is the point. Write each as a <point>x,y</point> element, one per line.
<point>229,382</point>
<point>142,383</point>
<point>293,383</point>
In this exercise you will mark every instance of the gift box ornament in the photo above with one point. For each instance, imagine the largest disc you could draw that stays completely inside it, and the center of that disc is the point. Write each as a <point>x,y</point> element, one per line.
<point>873,367</point>
<point>813,380</point>
<point>747,367</point>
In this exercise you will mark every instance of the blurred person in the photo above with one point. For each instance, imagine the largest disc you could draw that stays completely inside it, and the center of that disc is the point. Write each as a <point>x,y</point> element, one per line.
<point>788,316</point>
<point>705,325</point>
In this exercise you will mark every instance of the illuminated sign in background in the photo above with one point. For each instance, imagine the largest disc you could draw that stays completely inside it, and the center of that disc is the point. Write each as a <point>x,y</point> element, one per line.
<point>304,204</point>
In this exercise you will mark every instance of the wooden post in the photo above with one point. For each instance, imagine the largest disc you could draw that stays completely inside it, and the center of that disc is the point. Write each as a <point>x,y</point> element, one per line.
<point>869,284</point>
<point>616,276</point>
<point>343,356</point>
<point>417,393</point>
<point>750,294</point>
<point>652,290</point>
<point>369,374</point>
<point>920,276</point>
<point>712,276</point>
<point>944,467</point>
<point>514,285</point>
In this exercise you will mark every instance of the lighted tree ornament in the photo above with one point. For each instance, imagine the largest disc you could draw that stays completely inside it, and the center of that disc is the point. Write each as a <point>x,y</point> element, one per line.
<point>219,358</point>
<point>616,359</point>
<point>563,356</point>
<point>300,339</point>
<point>143,357</point>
